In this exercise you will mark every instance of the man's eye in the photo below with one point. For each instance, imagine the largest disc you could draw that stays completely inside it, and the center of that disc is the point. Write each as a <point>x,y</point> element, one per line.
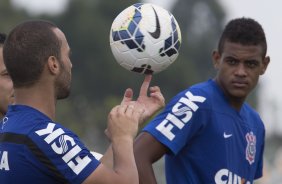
<point>231,61</point>
<point>252,64</point>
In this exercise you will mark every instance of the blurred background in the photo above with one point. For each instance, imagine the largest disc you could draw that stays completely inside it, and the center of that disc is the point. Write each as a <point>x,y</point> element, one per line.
<point>99,82</point>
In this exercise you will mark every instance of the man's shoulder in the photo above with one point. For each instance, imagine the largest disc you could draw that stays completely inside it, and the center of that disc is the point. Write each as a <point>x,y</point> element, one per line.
<point>251,111</point>
<point>23,120</point>
<point>202,88</point>
<point>195,97</point>
<point>253,116</point>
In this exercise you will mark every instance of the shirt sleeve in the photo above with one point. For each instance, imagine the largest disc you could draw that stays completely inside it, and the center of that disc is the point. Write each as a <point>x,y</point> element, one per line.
<point>63,152</point>
<point>259,171</point>
<point>183,117</point>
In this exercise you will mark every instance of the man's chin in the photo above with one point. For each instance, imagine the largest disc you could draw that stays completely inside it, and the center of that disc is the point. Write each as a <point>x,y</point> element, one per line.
<point>240,94</point>
<point>63,95</point>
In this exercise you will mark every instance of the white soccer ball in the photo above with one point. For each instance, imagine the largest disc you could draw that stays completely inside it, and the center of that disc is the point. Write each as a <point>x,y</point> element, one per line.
<point>145,38</point>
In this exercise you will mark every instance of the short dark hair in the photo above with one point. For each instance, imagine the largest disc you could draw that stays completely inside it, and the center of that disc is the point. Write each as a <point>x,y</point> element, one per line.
<point>245,31</point>
<point>27,49</point>
<point>2,38</point>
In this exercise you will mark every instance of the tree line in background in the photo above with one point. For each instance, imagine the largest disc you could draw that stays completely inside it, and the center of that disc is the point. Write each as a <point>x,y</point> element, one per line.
<point>98,81</point>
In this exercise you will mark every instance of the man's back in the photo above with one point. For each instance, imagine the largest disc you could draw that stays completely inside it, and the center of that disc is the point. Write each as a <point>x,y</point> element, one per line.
<point>38,150</point>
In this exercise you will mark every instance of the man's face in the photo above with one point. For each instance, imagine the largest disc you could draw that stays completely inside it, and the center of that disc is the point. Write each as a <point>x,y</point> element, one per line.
<point>238,68</point>
<point>63,82</point>
<point>6,87</point>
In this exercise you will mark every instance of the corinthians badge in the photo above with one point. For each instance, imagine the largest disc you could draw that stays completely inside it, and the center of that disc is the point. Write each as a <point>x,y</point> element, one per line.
<point>251,147</point>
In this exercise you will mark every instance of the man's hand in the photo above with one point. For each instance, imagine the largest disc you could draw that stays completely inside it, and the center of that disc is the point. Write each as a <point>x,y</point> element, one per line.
<point>123,121</point>
<point>152,103</point>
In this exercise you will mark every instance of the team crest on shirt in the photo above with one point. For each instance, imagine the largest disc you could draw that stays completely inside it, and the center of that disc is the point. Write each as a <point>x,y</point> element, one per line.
<point>4,121</point>
<point>251,147</point>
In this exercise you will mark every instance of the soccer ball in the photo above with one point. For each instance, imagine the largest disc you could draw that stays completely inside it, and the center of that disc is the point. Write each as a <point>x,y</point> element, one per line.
<point>145,38</point>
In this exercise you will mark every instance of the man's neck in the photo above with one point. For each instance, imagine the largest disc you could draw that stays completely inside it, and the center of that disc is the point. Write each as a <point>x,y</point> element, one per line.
<point>234,102</point>
<point>43,101</point>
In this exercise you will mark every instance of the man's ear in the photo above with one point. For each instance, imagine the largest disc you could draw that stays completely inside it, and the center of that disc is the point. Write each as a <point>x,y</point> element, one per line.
<point>265,63</point>
<point>53,65</point>
<point>216,59</point>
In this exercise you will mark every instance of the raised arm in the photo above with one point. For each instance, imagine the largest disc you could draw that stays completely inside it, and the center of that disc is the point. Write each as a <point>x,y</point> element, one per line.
<point>122,128</point>
<point>151,103</point>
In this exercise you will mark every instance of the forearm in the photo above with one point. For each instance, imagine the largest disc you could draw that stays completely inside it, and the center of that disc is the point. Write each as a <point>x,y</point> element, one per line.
<point>123,159</point>
<point>107,158</point>
<point>146,173</point>
<point>147,151</point>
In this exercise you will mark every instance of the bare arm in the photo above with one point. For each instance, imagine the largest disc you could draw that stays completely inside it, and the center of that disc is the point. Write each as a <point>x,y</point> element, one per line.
<point>152,103</point>
<point>124,170</point>
<point>118,163</point>
<point>122,128</point>
<point>147,150</point>
<point>107,158</point>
